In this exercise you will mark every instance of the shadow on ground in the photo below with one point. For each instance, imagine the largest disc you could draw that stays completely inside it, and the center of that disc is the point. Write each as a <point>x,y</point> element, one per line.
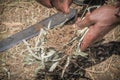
<point>76,69</point>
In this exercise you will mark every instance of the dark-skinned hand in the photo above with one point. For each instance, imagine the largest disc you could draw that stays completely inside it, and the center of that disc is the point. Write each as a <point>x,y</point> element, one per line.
<point>100,22</point>
<point>60,5</point>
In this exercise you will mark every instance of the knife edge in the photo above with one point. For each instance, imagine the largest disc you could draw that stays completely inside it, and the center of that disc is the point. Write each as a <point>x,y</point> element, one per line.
<point>34,30</point>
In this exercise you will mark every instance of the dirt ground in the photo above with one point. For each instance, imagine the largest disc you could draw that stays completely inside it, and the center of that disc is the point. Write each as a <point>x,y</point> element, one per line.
<point>16,15</point>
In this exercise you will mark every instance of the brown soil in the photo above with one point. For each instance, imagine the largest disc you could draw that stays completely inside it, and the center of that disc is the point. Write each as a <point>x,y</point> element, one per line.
<point>58,37</point>
<point>18,15</point>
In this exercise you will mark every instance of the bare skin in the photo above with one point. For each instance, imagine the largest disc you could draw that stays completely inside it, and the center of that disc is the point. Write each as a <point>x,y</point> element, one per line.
<point>46,3</point>
<point>60,5</point>
<point>100,22</point>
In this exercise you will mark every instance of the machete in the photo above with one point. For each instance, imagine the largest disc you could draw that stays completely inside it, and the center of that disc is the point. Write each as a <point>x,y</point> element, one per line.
<point>34,30</point>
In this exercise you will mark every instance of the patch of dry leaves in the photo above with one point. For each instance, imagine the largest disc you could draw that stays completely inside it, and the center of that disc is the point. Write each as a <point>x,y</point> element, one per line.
<point>58,38</point>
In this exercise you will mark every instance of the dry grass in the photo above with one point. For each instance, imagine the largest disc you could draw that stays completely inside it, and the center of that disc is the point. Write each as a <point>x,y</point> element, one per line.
<point>105,70</point>
<point>17,16</point>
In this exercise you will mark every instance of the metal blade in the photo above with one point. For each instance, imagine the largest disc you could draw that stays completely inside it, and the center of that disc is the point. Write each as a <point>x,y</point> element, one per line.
<point>34,30</point>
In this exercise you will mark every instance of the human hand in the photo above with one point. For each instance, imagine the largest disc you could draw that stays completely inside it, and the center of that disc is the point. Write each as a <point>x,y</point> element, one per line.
<point>100,22</point>
<point>61,5</point>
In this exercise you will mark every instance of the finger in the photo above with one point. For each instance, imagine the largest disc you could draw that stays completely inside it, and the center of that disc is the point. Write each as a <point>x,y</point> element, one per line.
<point>86,22</point>
<point>89,38</point>
<point>46,3</point>
<point>95,33</point>
<point>62,5</point>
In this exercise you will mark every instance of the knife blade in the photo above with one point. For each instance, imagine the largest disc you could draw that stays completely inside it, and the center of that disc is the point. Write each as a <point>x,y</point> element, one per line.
<point>34,30</point>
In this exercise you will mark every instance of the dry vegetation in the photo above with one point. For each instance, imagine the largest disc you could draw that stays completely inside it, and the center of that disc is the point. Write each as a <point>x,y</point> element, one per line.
<point>17,63</point>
